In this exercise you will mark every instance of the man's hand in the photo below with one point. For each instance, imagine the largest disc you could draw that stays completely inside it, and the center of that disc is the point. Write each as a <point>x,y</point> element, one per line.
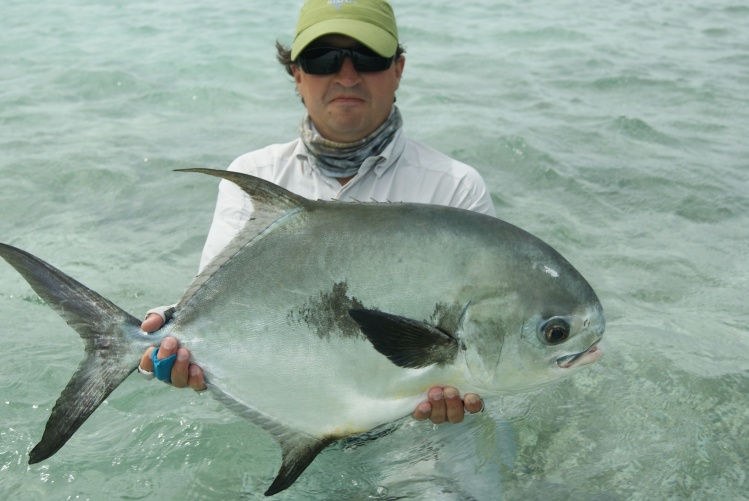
<point>444,404</point>
<point>183,372</point>
<point>152,323</point>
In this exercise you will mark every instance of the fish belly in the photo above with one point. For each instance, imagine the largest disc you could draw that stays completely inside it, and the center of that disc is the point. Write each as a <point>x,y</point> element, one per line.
<point>271,327</point>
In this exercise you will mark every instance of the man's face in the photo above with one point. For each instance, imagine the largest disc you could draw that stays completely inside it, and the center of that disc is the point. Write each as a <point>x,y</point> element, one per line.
<point>348,105</point>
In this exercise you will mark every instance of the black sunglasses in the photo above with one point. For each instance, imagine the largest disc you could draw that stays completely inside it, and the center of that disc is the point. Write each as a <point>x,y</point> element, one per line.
<point>328,60</point>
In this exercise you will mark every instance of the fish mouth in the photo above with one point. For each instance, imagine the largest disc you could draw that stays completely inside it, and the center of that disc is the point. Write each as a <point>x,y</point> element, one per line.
<point>586,357</point>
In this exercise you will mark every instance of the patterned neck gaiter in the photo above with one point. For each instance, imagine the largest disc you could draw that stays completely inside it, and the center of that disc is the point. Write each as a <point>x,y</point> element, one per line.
<point>344,159</point>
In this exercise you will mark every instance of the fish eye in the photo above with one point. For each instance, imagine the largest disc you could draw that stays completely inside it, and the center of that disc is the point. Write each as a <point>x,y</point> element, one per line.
<point>556,331</point>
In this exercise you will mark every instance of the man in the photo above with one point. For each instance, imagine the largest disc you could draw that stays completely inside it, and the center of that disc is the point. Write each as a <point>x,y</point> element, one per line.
<point>347,64</point>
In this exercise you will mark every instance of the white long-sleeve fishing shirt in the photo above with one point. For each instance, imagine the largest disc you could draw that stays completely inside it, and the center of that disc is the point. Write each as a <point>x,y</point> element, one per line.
<point>406,171</point>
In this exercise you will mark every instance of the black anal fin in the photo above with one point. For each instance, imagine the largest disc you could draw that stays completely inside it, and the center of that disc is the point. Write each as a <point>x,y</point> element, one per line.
<point>297,453</point>
<point>298,449</point>
<point>406,342</point>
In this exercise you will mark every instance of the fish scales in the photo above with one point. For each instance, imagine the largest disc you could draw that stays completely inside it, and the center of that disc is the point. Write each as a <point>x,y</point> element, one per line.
<point>303,312</point>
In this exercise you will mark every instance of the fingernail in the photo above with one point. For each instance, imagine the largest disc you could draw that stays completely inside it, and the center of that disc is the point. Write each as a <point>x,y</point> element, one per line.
<point>436,396</point>
<point>472,399</point>
<point>193,370</point>
<point>182,355</point>
<point>169,343</point>
<point>451,393</point>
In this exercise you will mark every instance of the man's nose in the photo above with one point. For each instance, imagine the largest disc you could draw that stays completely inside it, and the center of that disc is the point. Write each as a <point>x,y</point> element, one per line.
<point>347,75</point>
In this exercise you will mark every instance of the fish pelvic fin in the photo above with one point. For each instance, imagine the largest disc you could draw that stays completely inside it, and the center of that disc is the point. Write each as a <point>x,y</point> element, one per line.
<point>103,327</point>
<point>408,343</point>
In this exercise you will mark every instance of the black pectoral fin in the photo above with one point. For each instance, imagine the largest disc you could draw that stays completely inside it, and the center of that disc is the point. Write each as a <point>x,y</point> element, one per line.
<point>406,342</point>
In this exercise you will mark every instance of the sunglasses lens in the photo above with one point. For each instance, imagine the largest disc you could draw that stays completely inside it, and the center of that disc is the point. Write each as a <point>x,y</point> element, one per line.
<point>321,60</point>
<point>366,60</point>
<point>328,60</point>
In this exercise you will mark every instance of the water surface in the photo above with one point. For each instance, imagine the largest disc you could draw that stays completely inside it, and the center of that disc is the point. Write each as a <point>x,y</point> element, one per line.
<point>614,130</point>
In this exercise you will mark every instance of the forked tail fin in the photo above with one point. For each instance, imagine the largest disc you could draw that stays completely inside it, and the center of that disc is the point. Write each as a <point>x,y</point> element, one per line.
<point>113,343</point>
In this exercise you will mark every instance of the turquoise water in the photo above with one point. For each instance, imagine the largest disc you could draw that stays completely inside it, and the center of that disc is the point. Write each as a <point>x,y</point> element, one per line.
<point>614,130</point>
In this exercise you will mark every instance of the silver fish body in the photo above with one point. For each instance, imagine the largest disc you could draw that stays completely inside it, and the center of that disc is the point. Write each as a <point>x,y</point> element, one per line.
<point>321,320</point>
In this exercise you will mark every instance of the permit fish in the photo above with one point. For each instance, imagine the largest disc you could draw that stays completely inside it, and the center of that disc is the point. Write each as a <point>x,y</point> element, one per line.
<point>323,319</point>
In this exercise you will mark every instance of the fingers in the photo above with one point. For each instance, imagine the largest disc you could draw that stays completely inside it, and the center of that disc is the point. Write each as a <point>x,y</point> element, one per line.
<point>195,377</point>
<point>473,403</point>
<point>145,361</point>
<point>423,411</point>
<point>445,405</point>
<point>453,404</point>
<point>152,323</point>
<point>179,369</point>
<point>437,401</point>
<point>186,374</point>
<point>183,373</point>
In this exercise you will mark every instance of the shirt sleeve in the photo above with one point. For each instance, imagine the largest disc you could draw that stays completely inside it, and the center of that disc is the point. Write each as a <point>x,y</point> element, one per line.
<point>476,196</point>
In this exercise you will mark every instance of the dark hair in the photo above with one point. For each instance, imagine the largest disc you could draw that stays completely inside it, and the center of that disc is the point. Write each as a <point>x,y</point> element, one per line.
<point>284,56</point>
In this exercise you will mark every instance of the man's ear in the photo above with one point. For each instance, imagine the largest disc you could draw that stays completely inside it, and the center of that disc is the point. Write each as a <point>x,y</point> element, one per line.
<point>297,74</point>
<point>399,63</point>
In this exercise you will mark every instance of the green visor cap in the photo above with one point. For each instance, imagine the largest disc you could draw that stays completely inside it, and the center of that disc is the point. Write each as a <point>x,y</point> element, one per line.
<point>370,22</point>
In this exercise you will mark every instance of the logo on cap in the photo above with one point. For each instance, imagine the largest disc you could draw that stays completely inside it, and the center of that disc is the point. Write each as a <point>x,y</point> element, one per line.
<point>337,3</point>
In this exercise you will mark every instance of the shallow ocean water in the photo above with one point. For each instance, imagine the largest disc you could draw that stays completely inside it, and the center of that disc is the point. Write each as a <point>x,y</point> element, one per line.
<point>615,131</point>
